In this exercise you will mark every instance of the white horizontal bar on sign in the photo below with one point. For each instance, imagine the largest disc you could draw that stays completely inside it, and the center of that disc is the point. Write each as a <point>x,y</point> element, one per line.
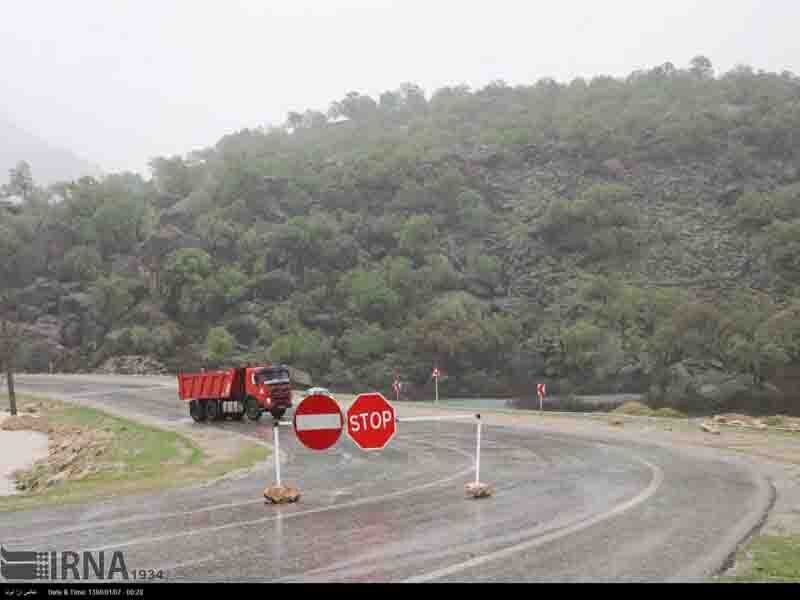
<point>310,422</point>
<point>447,418</point>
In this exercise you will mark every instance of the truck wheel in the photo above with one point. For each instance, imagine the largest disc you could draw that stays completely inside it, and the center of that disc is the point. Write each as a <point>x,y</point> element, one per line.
<point>197,410</point>
<point>212,410</point>
<point>277,413</point>
<point>252,408</point>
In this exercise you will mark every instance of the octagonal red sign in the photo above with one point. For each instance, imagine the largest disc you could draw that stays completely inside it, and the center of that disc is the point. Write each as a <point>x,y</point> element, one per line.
<point>371,421</point>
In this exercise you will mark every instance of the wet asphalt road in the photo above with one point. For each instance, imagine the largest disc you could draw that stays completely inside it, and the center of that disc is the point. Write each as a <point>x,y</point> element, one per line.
<point>566,508</point>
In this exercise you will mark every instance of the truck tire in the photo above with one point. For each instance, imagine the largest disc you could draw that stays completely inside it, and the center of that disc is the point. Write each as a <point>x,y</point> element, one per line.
<point>277,413</point>
<point>252,409</point>
<point>213,411</point>
<point>197,410</point>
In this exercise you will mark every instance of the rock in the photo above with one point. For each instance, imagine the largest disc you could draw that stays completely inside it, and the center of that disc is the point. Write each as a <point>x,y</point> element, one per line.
<point>133,365</point>
<point>479,490</point>
<point>77,303</point>
<point>56,479</point>
<point>26,422</point>
<point>43,293</point>
<point>616,422</point>
<point>710,428</point>
<point>282,494</point>
<point>29,313</point>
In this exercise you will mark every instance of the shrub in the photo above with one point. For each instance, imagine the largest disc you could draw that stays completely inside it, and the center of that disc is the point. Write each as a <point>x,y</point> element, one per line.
<point>634,408</point>
<point>669,413</point>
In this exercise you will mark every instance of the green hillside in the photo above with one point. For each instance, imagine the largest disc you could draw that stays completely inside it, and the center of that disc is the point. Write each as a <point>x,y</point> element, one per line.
<point>604,235</point>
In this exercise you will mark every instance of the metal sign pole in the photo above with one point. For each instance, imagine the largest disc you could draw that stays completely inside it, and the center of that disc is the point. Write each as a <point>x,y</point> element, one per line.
<point>277,449</point>
<point>437,390</point>
<point>478,455</point>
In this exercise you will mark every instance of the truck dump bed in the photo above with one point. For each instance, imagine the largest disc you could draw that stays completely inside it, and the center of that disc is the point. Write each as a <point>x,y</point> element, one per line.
<point>206,386</point>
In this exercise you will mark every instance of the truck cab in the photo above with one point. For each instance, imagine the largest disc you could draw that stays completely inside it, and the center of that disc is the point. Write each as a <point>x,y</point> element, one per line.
<point>267,389</point>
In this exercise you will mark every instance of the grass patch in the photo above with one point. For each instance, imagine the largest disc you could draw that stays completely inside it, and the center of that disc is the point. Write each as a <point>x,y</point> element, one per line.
<point>775,421</point>
<point>769,558</point>
<point>140,458</point>
<point>669,413</point>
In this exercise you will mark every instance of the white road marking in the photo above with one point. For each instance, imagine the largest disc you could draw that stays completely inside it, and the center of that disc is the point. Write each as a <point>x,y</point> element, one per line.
<point>207,530</point>
<point>655,482</point>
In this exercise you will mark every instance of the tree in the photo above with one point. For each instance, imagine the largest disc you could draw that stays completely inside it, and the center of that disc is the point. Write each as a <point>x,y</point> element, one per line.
<point>367,295</point>
<point>701,67</point>
<point>113,298</point>
<point>20,181</point>
<point>219,344</point>
<point>294,120</point>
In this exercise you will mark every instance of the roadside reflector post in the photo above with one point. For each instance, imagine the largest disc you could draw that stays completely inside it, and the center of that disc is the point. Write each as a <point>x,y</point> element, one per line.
<point>477,455</point>
<point>279,493</point>
<point>477,489</point>
<point>277,441</point>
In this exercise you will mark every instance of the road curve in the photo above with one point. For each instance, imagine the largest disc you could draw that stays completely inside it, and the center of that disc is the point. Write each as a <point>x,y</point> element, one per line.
<point>566,508</point>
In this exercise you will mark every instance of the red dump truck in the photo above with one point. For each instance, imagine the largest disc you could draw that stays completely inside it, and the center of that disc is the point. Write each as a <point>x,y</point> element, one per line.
<point>234,393</point>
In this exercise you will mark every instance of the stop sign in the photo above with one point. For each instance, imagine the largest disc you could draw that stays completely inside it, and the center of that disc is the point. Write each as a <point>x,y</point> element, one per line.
<point>371,421</point>
<point>318,422</point>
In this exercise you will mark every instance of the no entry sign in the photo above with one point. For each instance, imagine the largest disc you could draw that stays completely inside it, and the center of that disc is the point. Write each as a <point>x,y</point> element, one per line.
<point>371,421</point>
<point>318,422</point>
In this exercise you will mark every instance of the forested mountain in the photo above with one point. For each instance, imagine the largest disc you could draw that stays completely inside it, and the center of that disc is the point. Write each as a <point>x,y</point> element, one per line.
<point>636,234</point>
<point>50,164</point>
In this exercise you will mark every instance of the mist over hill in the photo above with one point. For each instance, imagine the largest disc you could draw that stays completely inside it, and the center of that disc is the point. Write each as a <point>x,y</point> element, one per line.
<point>49,164</point>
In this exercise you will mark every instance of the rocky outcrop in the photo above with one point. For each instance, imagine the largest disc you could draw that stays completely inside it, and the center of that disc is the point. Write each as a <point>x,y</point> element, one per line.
<point>43,294</point>
<point>132,365</point>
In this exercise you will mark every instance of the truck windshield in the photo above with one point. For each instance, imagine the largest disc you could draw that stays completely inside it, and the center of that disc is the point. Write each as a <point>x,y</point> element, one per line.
<point>272,376</point>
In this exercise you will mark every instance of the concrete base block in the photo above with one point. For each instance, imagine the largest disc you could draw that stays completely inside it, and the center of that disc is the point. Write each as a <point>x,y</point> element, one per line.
<point>479,490</point>
<point>281,494</point>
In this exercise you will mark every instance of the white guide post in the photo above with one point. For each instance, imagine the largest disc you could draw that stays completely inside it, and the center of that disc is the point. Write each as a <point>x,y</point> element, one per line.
<point>478,455</point>
<point>277,450</point>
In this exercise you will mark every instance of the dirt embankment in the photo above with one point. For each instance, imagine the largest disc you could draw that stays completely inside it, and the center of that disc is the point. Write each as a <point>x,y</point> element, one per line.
<point>74,452</point>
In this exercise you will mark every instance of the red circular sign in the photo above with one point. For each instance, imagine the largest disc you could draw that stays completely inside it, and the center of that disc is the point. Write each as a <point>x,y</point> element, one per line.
<point>371,421</point>
<point>318,422</point>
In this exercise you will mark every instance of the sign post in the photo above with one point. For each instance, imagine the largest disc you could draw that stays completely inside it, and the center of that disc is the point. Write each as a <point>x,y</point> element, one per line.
<point>540,388</point>
<point>278,493</point>
<point>371,421</point>
<point>277,441</point>
<point>436,379</point>
<point>478,455</point>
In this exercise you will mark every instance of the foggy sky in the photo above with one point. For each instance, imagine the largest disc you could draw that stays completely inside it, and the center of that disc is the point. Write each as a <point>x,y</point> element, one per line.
<point>121,81</point>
